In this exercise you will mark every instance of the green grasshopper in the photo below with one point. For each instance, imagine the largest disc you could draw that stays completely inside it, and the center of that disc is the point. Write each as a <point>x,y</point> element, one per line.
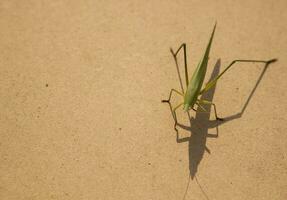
<point>194,86</point>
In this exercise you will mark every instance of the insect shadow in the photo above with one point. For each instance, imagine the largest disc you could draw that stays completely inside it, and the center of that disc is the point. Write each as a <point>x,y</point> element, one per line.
<point>200,124</point>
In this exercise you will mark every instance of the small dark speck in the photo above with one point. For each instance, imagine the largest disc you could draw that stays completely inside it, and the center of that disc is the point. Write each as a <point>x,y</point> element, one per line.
<point>231,183</point>
<point>237,88</point>
<point>120,129</point>
<point>179,160</point>
<point>47,84</point>
<point>149,163</point>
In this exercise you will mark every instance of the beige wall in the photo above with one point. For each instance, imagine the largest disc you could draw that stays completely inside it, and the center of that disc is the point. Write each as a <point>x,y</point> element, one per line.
<point>80,90</point>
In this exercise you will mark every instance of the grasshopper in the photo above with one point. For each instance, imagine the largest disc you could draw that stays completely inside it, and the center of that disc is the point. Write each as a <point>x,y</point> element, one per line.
<point>194,86</point>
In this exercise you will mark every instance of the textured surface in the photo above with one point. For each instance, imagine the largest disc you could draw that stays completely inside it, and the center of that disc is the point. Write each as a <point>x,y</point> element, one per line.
<point>81,84</point>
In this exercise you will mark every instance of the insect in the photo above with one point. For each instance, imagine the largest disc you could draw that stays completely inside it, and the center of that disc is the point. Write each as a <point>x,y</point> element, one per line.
<point>194,86</point>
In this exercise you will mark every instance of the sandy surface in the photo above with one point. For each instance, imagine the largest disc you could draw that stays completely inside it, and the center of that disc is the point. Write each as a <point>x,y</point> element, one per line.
<point>81,116</point>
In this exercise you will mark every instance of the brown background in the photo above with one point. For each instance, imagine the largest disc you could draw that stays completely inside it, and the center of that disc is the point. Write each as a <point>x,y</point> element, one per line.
<point>81,84</point>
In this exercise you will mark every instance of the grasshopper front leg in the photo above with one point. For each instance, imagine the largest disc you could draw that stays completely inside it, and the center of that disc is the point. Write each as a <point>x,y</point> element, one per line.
<point>175,108</point>
<point>200,102</point>
<point>170,94</point>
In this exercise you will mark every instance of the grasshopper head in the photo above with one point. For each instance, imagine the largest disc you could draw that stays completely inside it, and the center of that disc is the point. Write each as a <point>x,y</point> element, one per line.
<point>186,107</point>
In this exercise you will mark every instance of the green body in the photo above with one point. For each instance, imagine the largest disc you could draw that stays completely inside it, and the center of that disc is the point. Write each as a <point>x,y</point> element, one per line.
<point>194,87</point>
<point>196,81</point>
